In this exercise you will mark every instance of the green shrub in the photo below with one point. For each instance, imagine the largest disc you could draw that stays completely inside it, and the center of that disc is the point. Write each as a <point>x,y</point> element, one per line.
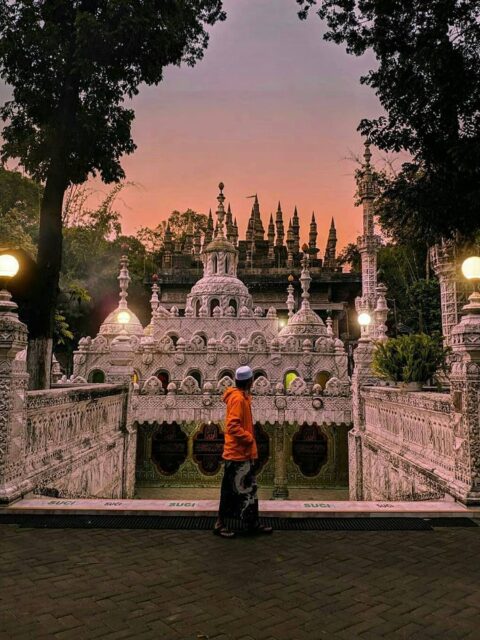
<point>412,358</point>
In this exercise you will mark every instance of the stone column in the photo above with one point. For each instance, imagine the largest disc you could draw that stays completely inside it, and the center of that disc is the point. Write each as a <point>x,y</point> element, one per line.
<point>280,490</point>
<point>120,371</point>
<point>465,389</point>
<point>13,402</point>
<point>362,375</point>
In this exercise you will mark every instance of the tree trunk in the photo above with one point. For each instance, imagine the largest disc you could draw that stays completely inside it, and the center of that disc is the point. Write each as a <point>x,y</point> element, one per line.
<point>49,262</point>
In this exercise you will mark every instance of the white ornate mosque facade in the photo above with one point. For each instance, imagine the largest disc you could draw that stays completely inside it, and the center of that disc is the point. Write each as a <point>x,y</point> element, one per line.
<point>181,365</point>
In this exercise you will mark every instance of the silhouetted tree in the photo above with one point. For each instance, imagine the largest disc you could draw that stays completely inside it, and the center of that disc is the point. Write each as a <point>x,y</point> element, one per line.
<point>71,65</point>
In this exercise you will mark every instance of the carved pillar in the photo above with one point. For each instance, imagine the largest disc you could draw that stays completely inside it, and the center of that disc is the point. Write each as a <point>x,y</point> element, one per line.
<point>280,491</point>
<point>13,413</point>
<point>129,442</point>
<point>120,371</point>
<point>465,389</point>
<point>362,375</point>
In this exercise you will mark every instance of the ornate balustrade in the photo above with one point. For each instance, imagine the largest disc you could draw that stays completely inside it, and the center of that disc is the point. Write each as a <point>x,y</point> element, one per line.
<point>59,419</point>
<point>417,426</point>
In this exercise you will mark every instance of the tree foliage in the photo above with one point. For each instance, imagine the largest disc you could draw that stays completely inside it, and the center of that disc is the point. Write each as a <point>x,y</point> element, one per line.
<point>428,82</point>
<point>179,223</point>
<point>71,65</point>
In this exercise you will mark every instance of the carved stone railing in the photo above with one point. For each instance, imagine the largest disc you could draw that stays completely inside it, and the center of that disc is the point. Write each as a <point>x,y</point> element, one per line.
<point>61,419</point>
<point>416,426</point>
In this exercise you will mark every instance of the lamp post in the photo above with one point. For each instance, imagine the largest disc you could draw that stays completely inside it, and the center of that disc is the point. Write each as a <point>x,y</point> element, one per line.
<point>9,267</point>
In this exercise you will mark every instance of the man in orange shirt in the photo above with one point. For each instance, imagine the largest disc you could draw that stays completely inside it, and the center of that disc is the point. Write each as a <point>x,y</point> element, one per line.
<point>238,497</point>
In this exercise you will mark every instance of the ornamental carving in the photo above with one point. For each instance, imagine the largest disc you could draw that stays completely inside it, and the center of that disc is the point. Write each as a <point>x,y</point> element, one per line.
<point>189,386</point>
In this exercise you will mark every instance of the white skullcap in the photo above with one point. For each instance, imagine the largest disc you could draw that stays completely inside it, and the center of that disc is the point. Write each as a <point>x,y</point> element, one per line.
<point>243,373</point>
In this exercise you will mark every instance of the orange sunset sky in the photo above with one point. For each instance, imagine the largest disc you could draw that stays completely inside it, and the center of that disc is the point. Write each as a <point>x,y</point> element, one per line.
<point>272,109</point>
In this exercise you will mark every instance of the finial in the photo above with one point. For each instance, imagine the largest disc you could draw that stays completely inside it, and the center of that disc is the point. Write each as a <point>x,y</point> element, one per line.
<point>220,211</point>
<point>154,301</point>
<point>313,217</point>
<point>305,281</point>
<point>329,324</point>
<point>290,298</point>
<point>123,280</point>
<point>332,224</point>
<point>279,206</point>
<point>367,154</point>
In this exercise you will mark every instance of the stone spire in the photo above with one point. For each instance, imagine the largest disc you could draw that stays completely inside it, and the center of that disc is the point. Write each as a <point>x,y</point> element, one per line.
<point>279,226</point>
<point>271,239</point>
<point>259,231</point>
<point>368,243</point>
<point>197,241</point>
<point>296,232</point>
<point>330,259</point>
<point>290,244</point>
<point>250,230</point>
<point>312,238</point>
<point>235,232</point>
<point>229,225</point>
<point>168,247</point>
<point>188,244</point>
<point>209,232</point>
<point>123,281</point>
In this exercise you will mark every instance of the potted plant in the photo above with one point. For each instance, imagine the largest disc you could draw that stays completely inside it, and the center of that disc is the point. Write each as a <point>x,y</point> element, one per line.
<point>410,361</point>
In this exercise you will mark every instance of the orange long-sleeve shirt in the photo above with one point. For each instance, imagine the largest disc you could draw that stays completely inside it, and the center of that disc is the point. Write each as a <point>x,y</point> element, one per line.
<point>239,435</point>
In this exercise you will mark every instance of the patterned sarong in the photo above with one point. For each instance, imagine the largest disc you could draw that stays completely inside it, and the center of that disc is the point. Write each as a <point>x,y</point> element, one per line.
<point>238,495</point>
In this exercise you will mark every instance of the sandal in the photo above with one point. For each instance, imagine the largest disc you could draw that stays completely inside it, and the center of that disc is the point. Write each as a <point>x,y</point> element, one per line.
<point>260,529</point>
<point>223,532</point>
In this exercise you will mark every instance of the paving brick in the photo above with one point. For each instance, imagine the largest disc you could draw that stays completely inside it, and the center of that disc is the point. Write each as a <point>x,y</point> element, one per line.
<point>180,585</point>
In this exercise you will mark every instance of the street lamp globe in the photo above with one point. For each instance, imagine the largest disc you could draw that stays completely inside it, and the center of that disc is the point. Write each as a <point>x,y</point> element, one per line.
<point>471,268</point>
<point>9,266</point>
<point>364,319</point>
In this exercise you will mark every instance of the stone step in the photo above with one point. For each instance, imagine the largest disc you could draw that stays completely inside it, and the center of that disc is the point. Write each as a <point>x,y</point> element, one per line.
<point>270,508</point>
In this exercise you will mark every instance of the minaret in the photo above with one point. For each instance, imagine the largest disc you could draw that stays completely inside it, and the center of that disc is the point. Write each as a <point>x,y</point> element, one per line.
<point>296,233</point>
<point>330,260</point>
<point>219,230</point>
<point>368,243</point>
<point>209,232</point>
<point>279,226</point>
<point>290,245</point>
<point>271,239</point>
<point>312,238</point>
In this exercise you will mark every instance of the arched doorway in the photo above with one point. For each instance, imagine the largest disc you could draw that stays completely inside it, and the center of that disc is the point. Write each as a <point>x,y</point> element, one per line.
<point>169,448</point>
<point>213,305</point>
<point>97,376</point>
<point>309,449</point>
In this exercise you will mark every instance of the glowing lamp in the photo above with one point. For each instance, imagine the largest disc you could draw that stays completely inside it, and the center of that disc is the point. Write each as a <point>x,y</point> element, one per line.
<point>123,317</point>
<point>282,323</point>
<point>9,266</point>
<point>364,319</point>
<point>471,268</point>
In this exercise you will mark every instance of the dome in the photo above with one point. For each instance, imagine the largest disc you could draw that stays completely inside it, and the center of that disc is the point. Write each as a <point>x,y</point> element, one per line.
<point>219,285</point>
<point>112,327</point>
<point>219,244</point>
<point>305,323</point>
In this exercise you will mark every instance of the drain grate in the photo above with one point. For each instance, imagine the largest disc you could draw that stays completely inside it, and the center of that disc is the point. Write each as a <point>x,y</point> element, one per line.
<point>40,521</point>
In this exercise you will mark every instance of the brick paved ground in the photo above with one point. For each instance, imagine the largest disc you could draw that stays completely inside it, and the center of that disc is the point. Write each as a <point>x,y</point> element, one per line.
<point>190,585</point>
